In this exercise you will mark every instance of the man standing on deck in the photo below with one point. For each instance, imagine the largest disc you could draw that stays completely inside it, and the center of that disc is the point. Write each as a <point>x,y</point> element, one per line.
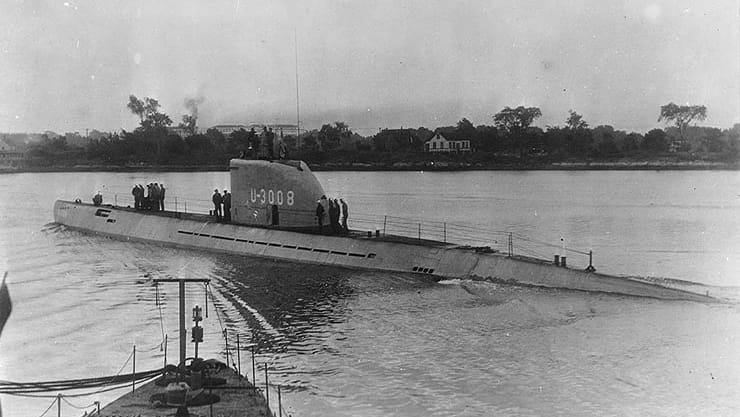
<point>320,214</point>
<point>161,197</point>
<point>155,196</point>
<point>217,200</point>
<point>135,193</point>
<point>325,205</point>
<point>345,215</point>
<point>227,206</point>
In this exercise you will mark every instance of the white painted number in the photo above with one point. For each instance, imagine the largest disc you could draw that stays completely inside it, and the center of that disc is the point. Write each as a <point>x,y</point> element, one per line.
<point>271,196</point>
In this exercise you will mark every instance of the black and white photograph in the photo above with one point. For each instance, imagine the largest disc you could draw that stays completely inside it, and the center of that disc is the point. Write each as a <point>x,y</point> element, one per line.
<point>369,208</point>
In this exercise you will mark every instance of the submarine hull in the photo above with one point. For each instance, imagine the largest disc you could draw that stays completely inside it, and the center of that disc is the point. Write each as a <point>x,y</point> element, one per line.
<point>436,260</point>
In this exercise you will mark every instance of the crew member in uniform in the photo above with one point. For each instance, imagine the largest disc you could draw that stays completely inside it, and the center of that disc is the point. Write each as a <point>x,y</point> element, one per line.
<point>227,206</point>
<point>135,193</point>
<point>345,215</point>
<point>217,200</point>
<point>161,197</point>
<point>320,214</point>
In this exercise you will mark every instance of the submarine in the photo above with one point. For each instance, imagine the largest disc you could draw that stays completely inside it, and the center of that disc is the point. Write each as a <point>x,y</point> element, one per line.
<point>273,215</point>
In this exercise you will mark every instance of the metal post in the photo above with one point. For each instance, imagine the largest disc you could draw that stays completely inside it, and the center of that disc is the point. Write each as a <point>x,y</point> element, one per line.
<point>97,406</point>
<point>175,204</point>
<point>210,405</point>
<point>115,199</point>
<point>267,388</point>
<point>186,208</point>
<point>254,372</point>
<point>133,380</point>
<point>511,245</point>
<point>385,219</point>
<point>59,405</point>
<point>280,403</point>
<point>165,352</point>
<point>590,267</point>
<point>238,356</point>
<point>445,231</point>
<point>182,325</point>
<point>419,231</point>
<point>226,339</point>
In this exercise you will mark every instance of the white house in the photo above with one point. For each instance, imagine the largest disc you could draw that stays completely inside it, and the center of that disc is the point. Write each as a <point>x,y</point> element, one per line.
<point>438,143</point>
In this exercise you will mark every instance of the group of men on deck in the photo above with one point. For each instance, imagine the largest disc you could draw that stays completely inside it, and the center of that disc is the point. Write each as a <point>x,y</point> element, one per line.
<point>150,199</point>
<point>332,210</point>
<point>222,206</point>
<point>264,146</point>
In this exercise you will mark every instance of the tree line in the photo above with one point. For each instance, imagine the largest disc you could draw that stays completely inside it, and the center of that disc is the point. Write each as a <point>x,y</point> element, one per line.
<point>510,139</point>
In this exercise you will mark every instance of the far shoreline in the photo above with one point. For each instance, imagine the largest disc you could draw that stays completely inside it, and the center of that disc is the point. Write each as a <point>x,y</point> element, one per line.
<point>409,167</point>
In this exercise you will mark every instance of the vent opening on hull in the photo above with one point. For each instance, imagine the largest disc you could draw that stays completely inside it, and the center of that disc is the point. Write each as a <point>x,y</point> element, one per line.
<point>278,245</point>
<point>423,270</point>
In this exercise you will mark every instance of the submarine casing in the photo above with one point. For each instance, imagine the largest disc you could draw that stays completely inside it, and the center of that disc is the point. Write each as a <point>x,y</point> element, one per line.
<point>258,233</point>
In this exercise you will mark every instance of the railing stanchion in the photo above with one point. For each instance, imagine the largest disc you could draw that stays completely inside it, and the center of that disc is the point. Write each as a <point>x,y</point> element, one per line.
<point>590,267</point>
<point>444,225</point>
<point>238,356</point>
<point>385,219</point>
<point>226,340</point>
<point>254,371</point>
<point>267,387</point>
<point>133,379</point>
<point>419,231</point>
<point>280,403</point>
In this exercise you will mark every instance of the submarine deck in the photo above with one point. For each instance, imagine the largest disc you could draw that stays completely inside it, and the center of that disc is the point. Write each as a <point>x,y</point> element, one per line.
<point>353,234</point>
<point>237,397</point>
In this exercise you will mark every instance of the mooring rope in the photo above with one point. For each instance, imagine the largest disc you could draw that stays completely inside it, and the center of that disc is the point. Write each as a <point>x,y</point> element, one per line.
<point>28,388</point>
<point>75,406</point>
<point>33,389</point>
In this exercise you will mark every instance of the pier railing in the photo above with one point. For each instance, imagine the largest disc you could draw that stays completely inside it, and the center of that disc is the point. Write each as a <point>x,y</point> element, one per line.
<point>468,234</point>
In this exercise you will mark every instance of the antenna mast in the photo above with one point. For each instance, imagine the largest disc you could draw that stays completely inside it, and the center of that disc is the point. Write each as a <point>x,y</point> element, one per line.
<point>297,106</point>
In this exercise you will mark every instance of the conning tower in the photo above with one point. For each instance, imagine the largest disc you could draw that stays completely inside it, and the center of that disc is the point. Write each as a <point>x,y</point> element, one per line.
<point>273,193</point>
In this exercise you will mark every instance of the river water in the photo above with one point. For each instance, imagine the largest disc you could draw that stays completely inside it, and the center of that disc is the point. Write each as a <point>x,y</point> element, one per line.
<point>355,343</point>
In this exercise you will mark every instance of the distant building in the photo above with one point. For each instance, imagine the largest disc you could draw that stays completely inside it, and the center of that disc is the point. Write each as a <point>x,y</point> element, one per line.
<point>438,143</point>
<point>226,130</point>
<point>10,157</point>
<point>179,131</point>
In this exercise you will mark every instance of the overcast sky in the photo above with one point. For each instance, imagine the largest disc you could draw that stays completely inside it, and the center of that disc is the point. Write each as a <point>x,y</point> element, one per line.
<point>71,65</point>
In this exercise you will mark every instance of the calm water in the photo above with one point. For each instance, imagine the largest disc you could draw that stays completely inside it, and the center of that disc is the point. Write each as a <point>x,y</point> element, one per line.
<point>355,343</point>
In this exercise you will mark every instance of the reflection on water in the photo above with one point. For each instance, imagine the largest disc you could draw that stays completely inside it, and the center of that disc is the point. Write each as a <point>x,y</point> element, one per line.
<point>354,343</point>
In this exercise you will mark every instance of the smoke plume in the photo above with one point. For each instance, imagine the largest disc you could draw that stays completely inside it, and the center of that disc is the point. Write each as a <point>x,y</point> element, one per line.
<point>192,103</point>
